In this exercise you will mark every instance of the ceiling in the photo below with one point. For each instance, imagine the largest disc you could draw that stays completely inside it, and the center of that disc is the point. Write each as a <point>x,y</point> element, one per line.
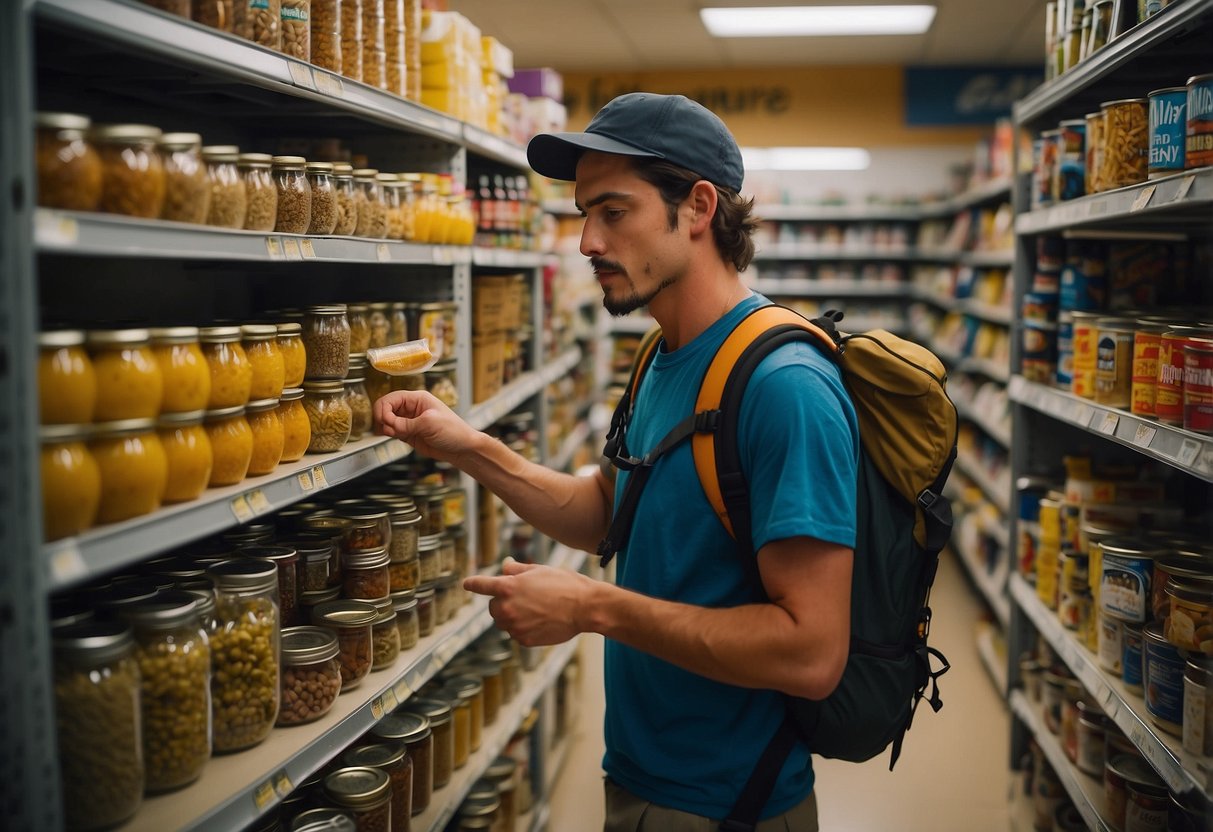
<point>645,35</point>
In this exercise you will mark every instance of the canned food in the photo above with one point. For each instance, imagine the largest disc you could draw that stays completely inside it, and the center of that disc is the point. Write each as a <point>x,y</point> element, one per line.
<point>1126,147</point>
<point>1163,679</point>
<point>1039,351</point>
<point>1044,151</point>
<point>1189,624</point>
<point>1113,362</point>
<point>1198,385</point>
<point>1127,575</point>
<point>1144,378</point>
<point>1083,277</point>
<point>1132,646</point>
<point>1121,773</point>
<point>1064,376</point>
<point>1092,725</point>
<point>1169,392</point>
<point>1069,181</point>
<point>1198,144</point>
<point>1198,706</point>
<point>1167,128</point>
<point>1084,339</point>
<point>1110,648</point>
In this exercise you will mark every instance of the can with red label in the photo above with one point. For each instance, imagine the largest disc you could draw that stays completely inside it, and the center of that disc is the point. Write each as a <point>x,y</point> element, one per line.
<point>1198,384</point>
<point>1146,340</point>
<point>1169,393</point>
<point>1085,336</point>
<point>1198,144</point>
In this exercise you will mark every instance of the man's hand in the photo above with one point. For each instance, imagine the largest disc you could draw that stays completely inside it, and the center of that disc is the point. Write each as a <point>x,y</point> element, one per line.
<point>418,418</point>
<point>535,604</point>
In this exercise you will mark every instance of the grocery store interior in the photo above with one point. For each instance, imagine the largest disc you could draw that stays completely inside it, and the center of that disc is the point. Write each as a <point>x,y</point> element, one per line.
<point>231,226</point>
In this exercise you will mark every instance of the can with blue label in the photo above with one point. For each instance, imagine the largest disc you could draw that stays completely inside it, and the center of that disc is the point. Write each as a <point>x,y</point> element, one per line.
<point>1070,182</point>
<point>1198,145</point>
<point>1127,578</point>
<point>1168,125</point>
<point>1065,350</point>
<point>1163,679</point>
<point>1131,641</point>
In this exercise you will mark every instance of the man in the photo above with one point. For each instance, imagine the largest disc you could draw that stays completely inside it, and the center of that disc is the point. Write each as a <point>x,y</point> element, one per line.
<point>698,654</point>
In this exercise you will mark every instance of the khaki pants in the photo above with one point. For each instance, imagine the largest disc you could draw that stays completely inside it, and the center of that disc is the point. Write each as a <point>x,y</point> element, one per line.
<point>625,812</point>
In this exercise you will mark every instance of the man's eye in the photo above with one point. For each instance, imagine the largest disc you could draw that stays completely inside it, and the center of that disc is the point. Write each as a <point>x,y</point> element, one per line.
<point>614,213</point>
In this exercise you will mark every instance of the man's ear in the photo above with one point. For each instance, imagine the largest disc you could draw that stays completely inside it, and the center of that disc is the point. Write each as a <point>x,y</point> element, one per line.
<point>701,202</point>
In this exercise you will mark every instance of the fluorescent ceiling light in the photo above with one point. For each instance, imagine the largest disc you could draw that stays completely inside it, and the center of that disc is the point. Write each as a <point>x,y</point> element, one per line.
<point>805,158</point>
<point>805,21</point>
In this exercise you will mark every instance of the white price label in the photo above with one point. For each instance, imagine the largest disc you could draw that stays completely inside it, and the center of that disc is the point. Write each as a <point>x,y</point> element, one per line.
<point>1144,435</point>
<point>67,564</point>
<point>290,248</point>
<point>377,707</point>
<point>274,247</point>
<point>328,84</point>
<point>243,511</point>
<point>319,478</point>
<point>52,229</point>
<point>1185,186</point>
<point>305,480</point>
<point>1098,208</point>
<point>258,502</point>
<point>283,784</point>
<point>1188,451</point>
<point>389,699</point>
<point>383,252</point>
<point>301,74</point>
<point>1109,423</point>
<point>1143,198</point>
<point>382,454</point>
<point>306,247</point>
<point>402,691</point>
<point>264,796</point>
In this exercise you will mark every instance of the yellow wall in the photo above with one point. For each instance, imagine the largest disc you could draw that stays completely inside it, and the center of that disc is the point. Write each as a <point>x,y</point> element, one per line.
<point>852,106</point>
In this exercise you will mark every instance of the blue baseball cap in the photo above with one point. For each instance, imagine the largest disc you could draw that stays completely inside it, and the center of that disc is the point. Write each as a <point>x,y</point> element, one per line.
<point>646,125</point>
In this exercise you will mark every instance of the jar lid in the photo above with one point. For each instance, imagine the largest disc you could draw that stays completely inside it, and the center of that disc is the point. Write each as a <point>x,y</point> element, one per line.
<point>358,787</point>
<point>290,394</point>
<point>180,141</point>
<point>64,433</point>
<point>204,598</point>
<point>289,328</point>
<point>61,338</point>
<point>357,309</point>
<point>93,641</point>
<point>117,337</point>
<point>325,386</point>
<point>62,121</point>
<point>435,710</point>
<point>1123,101</point>
<point>404,604</point>
<point>123,427</point>
<point>359,510</point>
<point>261,405</point>
<point>376,755</point>
<point>404,515</point>
<point>316,597</point>
<point>484,807</point>
<point>499,652</point>
<point>224,413</point>
<point>425,592</point>
<point>221,153</point>
<point>427,542</point>
<point>308,645</point>
<point>465,687</point>
<point>366,559</point>
<point>483,789</point>
<point>173,334</point>
<point>327,522</point>
<point>249,532</point>
<point>390,178</point>
<point>406,727</point>
<point>1130,547</point>
<point>365,173</point>
<point>326,309</point>
<point>255,160</point>
<point>244,573</point>
<point>411,177</point>
<point>290,162</point>
<point>501,768</point>
<point>344,613</point>
<point>319,167</point>
<point>323,819</point>
<point>218,334</point>
<point>468,823</point>
<point>258,332</point>
<point>126,133</point>
<point>343,169</point>
<point>166,610</point>
<point>277,553</point>
<point>384,614</point>
<point>118,594</point>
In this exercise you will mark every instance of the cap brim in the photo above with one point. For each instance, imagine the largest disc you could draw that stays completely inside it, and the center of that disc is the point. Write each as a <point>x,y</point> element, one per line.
<point>555,155</point>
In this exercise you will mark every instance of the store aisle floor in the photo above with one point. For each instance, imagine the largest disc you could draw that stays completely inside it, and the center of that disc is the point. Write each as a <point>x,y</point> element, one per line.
<point>953,775</point>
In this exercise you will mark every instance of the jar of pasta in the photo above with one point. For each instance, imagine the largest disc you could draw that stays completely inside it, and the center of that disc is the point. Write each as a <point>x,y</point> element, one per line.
<point>69,168</point>
<point>393,759</point>
<point>347,205</point>
<point>260,343</point>
<point>351,39</point>
<point>385,638</point>
<point>364,792</point>
<point>352,621</point>
<point>439,715</point>
<point>96,681</point>
<point>326,34</point>
<point>132,171</point>
<point>133,468</point>
<point>70,478</point>
<point>260,192</point>
<point>329,415</point>
<point>360,328</point>
<point>1126,144</point>
<point>294,195</point>
<point>294,354</point>
<point>379,323</point>
<point>269,437</point>
<point>324,198</point>
<point>326,337</point>
<point>372,213</point>
<point>186,193</point>
<point>187,448</point>
<point>366,576</point>
<point>245,652</point>
<point>174,657</point>
<point>129,382</point>
<point>67,380</point>
<point>413,730</point>
<point>359,401</point>
<point>296,427</point>
<point>229,196</point>
<point>230,369</point>
<point>231,444</point>
<point>286,558</point>
<point>405,606</point>
<point>187,378</point>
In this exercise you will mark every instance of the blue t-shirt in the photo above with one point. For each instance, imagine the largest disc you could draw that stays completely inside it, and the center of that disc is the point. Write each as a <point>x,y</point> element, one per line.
<point>673,737</point>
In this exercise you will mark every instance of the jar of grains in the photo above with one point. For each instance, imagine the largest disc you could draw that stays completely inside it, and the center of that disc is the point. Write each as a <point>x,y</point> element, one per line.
<point>347,207</point>
<point>326,34</point>
<point>186,193</point>
<point>389,188</point>
<point>229,198</point>
<point>294,354</point>
<point>311,674</point>
<point>133,468</point>
<point>461,719</point>
<point>286,558</point>
<point>370,527</point>
<point>187,449</point>
<point>296,427</point>
<point>294,195</point>
<point>366,576</point>
<point>260,193</point>
<point>428,555</point>
<point>372,214</point>
<point>132,171</point>
<point>315,556</point>
<point>269,369</point>
<point>324,198</point>
<point>231,444</point>
<point>359,400</point>
<point>69,168</point>
<point>329,415</point>
<point>439,715</point>
<point>351,39</point>
<point>380,325</point>
<point>97,718</point>
<point>391,758</point>
<point>360,328</point>
<point>414,731</point>
<point>230,369</point>
<point>67,380</point>
<point>406,525</point>
<point>364,792</point>
<point>71,480</point>
<point>326,337</point>
<point>245,652</point>
<point>297,29</point>
<point>405,606</point>
<point>352,621</point>
<point>398,322</point>
<point>187,378</point>
<point>385,638</point>
<point>174,657</point>
<point>129,382</point>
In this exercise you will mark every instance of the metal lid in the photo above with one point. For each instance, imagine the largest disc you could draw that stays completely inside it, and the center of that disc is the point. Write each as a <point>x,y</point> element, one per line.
<point>425,592</point>
<point>290,394</point>
<point>126,133</point>
<point>1152,93</point>
<point>261,405</point>
<point>165,611</point>
<point>250,533</point>
<point>64,433</point>
<point>91,642</point>
<point>481,807</point>
<point>290,162</point>
<point>61,338</point>
<point>344,613</point>
<point>483,789</point>
<point>404,726</point>
<point>367,558</point>
<point>218,334</point>
<point>62,121</point>
<point>388,178</point>
<point>435,710</point>
<point>186,418</point>
<point>359,510</point>
<point>124,593</point>
<point>289,328</point>
<point>223,413</point>
<point>117,337</point>
<point>317,386</point>
<point>173,334</point>
<point>310,546</point>
<point>380,305</point>
<point>385,611</point>
<point>204,598</point>
<point>326,309</point>
<point>1123,101</point>
<point>123,427</point>
<point>244,573</point>
<point>403,601</point>
<point>69,609</point>
<point>323,819</point>
<point>326,522</point>
<point>319,167</point>
<point>308,645</point>
<point>1130,547</point>
<point>343,169</point>
<point>316,597</point>
<point>465,687</point>
<point>221,153</point>
<point>180,141</point>
<point>277,553</point>
<point>1135,770</point>
<point>358,787</point>
<point>258,332</point>
<point>255,160</point>
<point>375,755</point>
<point>501,768</point>
<point>365,173</point>
<point>428,542</point>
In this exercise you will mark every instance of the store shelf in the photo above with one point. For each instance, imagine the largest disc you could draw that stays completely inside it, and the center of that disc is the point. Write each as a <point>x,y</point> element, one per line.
<point>837,213</point>
<point>1159,203</point>
<point>988,259</point>
<point>508,258</point>
<point>807,288</point>
<point>522,388</point>
<point>564,454</point>
<point>1181,771</point>
<point>993,658</point>
<point>992,585</point>
<point>812,251</point>
<point>1086,792</point>
<point>1190,452</point>
<point>986,311</point>
<point>996,370</point>
<point>998,493</point>
<point>491,146</point>
<point>979,194</point>
<point>999,433</point>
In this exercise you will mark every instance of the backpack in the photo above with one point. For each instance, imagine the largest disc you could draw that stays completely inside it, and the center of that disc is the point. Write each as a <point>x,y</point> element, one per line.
<point>908,429</point>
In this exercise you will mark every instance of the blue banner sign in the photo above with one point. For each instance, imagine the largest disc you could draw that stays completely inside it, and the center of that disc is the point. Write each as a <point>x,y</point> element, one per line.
<point>965,94</point>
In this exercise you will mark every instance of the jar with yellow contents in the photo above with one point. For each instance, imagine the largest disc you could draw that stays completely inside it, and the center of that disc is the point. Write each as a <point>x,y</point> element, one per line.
<point>132,170</point>
<point>231,442</point>
<point>67,381</point>
<point>71,480</point>
<point>133,467</point>
<point>260,343</point>
<point>296,427</point>
<point>187,448</point>
<point>230,369</point>
<point>69,169</point>
<point>129,382</point>
<point>268,436</point>
<point>187,378</point>
<point>294,354</point>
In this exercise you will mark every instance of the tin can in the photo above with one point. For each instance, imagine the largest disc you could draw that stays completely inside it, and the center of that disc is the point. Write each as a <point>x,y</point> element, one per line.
<point>1085,337</point>
<point>1187,563</point>
<point>1126,578</point>
<point>1083,277</point>
<point>1163,679</point>
<point>1167,129</point>
<point>1125,143</point>
<point>1131,647</point>
<point>1189,625</point>
<point>1110,648</point>
<point>1198,144</point>
<point>1030,491</point>
<point>1092,725</point>
<point>1040,307</point>
<point>1113,362</point>
<point>1094,149</point>
<point>1050,254</point>
<point>1122,773</point>
<point>1169,391</point>
<point>1044,151</point>
<point>1064,376</point>
<point>1144,382</point>
<point>1073,595</point>
<point>1069,180</point>
<point>1198,706</point>
<point>1198,384</point>
<point>1039,351</point>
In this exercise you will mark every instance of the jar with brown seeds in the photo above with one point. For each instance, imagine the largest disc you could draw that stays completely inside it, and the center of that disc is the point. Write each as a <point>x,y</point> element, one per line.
<point>329,415</point>
<point>69,168</point>
<point>326,34</point>
<point>311,674</point>
<point>406,618</point>
<point>265,23</point>
<point>215,13</point>
<point>294,195</point>
<point>393,759</point>
<point>187,194</point>
<point>229,203</point>
<point>132,171</point>
<point>297,29</point>
<point>175,671</point>
<point>96,681</point>
<point>372,213</point>
<point>374,22</point>
<point>352,621</point>
<point>261,195</point>
<point>366,575</point>
<point>324,198</point>
<point>326,338</point>
<point>347,207</point>
<point>360,328</point>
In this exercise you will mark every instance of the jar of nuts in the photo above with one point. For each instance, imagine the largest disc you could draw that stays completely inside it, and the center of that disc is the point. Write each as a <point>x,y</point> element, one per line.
<point>366,793</point>
<point>324,198</point>
<point>264,23</point>
<point>380,325</point>
<point>229,198</point>
<point>359,401</point>
<point>174,658</point>
<point>405,605</point>
<point>286,558</point>
<point>245,652</point>
<point>187,379</point>
<point>69,168</point>
<point>351,39</point>
<point>294,195</point>
<point>311,674</point>
<point>231,444</point>
<point>97,719</point>
<point>439,715</point>
<point>326,337</point>
<point>130,384</point>
<point>385,638</point>
<point>133,468</point>
<point>372,213</point>
<point>230,369</point>
<point>71,480</point>
<point>326,34</point>
<point>260,193</point>
<point>132,171</point>
<point>296,427</point>
<point>187,194</point>
<point>187,449</point>
<point>393,759</point>
<point>329,415</point>
<point>260,343</point>
<point>294,354</point>
<point>360,328</point>
<point>297,29</point>
<point>347,207</point>
<point>352,621</point>
<point>414,731</point>
<point>366,576</point>
<point>67,380</point>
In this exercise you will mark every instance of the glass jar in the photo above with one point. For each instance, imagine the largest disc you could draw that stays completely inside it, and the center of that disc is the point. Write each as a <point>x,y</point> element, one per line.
<point>439,715</point>
<point>335,528</point>
<point>71,480</point>
<point>370,528</point>
<point>328,414</point>
<point>245,652</point>
<point>297,29</point>
<point>406,524</point>
<point>398,322</point>
<point>396,63</point>
<point>129,382</point>
<point>404,575</point>
<point>250,534</point>
<point>218,14</point>
<point>352,620</point>
<point>351,39</point>
<point>96,681</point>
<point>405,606</point>
<point>326,35</point>
<point>461,719</point>
<point>308,601</point>
<point>360,328</point>
<point>187,378</point>
<point>362,418</point>
<point>67,380</point>
<point>264,26</point>
<point>174,657</point>
<point>394,761</point>
<point>311,674</point>
<point>365,792</point>
<point>446,555</point>
<point>296,426</point>
<point>230,369</point>
<point>413,730</point>
<point>494,690</point>
<point>286,558</point>
<point>69,168</point>
<point>186,193</point>
<point>389,187</point>
<point>231,445</point>
<point>425,609</point>
<point>372,213</point>
<point>503,771</point>
<point>294,195</point>
<point>366,575</point>
<point>133,468</point>
<point>294,354</point>
<point>347,200</point>
<point>260,192</point>
<point>260,343</point>
<point>378,384</point>
<point>428,557</point>
<point>326,337</point>
<point>374,65</point>
<point>132,172</point>
<point>385,638</point>
<point>269,437</point>
<point>229,198</point>
<point>471,690</point>
<point>324,198</point>
<point>315,557</point>
<point>430,499</point>
<point>440,382</point>
<point>444,599</point>
<point>187,450</point>
<point>379,324</point>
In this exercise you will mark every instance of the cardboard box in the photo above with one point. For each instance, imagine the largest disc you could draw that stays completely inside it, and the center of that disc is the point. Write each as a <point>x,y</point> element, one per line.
<point>512,312</point>
<point>488,365</point>
<point>543,82</point>
<point>489,296</point>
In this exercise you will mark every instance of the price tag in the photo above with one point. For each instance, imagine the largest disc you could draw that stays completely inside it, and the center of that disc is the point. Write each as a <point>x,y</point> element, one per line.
<point>283,784</point>
<point>301,74</point>
<point>442,256</point>
<point>290,247</point>
<point>1188,452</point>
<point>1181,192</point>
<point>1098,208</point>
<point>1143,198</point>
<point>305,246</point>
<point>1109,423</point>
<point>274,247</point>
<point>305,480</point>
<point>51,228</point>
<point>377,707</point>
<point>389,699</point>
<point>382,454</point>
<point>258,502</point>
<point>1139,736</point>
<point>242,509</point>
<point>402,691</point>
<point>328,84</point>
<point>383,252</point>
<point>264,796</point>
<point>318,476</point>
<point>67,564</point>
<point>1144,435</point>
